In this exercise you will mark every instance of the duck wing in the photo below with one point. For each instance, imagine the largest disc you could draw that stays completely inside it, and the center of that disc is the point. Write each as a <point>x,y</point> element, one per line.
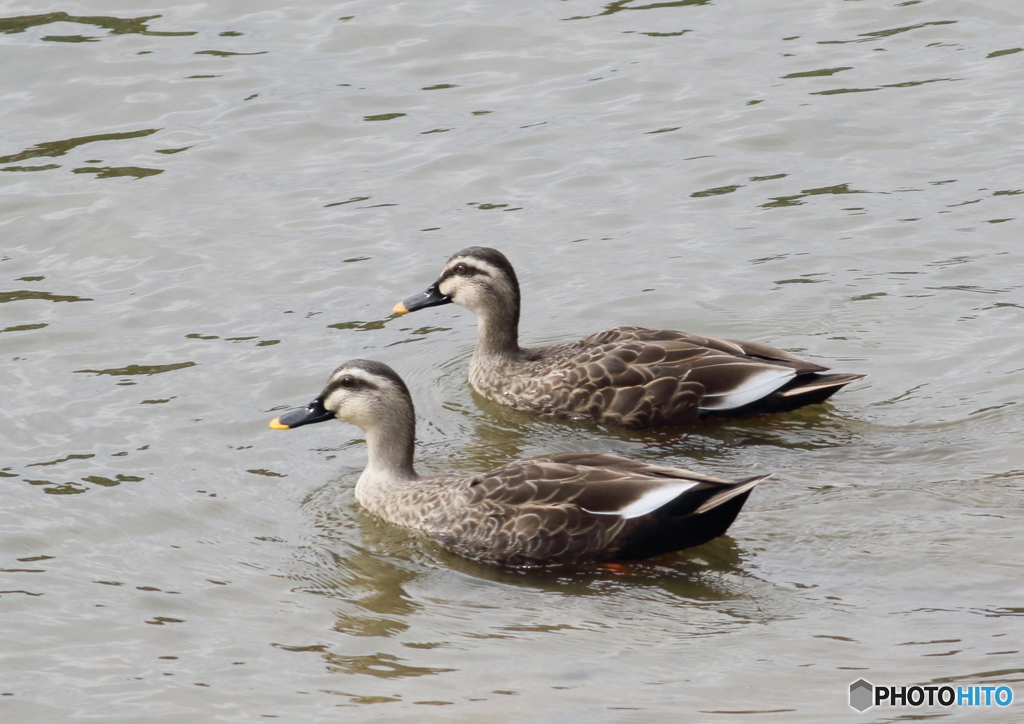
<point>642,378</point>
<point>702,511</point>
<point>578,507</point>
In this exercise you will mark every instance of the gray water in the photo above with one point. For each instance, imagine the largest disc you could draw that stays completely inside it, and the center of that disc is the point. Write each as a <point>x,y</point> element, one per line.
<point>205,207</point>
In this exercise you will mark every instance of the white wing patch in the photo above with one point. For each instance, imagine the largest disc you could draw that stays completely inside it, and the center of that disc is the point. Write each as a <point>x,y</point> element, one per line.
<point>649,501</point>
<point>758,385</point>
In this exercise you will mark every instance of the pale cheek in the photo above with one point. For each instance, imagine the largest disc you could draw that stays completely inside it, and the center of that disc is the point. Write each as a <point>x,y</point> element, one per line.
<point>469,297</point>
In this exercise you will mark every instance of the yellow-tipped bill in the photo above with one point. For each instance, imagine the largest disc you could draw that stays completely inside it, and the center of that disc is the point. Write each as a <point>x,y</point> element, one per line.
<point>313,412</point>
<point>431,297</point>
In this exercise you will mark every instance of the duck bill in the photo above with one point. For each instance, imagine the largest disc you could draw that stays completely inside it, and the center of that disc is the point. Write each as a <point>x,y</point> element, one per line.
<point>313,412</point>
<point>432,297</point>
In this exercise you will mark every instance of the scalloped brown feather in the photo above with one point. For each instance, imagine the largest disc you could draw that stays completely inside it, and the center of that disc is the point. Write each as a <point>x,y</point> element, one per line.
<point>542,511</point>
<point>642,378</point>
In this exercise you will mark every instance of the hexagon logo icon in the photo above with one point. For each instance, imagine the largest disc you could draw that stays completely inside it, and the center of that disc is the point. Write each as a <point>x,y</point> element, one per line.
<point>861,695</point>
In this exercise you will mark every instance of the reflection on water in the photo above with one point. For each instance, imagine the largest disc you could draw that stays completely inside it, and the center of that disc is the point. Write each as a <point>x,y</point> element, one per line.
<point>407,611</point>
<point>624,5</point>
<point>241,191</point>
<point>375,573</point>
<point>116,26</point>
<point>501,434</point>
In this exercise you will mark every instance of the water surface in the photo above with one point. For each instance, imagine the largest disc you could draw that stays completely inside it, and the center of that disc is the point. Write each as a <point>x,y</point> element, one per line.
<point>205,208</point>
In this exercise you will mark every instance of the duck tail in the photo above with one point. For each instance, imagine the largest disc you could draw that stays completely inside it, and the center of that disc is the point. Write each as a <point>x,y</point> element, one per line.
<point>739,488</point>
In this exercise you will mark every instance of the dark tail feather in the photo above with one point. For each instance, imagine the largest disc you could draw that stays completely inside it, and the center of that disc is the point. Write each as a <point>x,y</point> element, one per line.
<point>828,384</point>
<point>668,532</point>
<point>741,487</point>
<point>803,390</point>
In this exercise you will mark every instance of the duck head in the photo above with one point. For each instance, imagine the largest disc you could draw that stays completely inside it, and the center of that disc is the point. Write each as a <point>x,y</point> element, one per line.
<point>361,392</point>
<point>478,278</point>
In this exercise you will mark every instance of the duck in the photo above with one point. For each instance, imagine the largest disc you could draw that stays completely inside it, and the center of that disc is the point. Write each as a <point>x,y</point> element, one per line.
<point>630,377</point>
<point>566,508</point>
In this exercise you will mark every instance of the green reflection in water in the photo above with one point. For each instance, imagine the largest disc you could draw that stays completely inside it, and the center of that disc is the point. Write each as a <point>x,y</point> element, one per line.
<point>116,26</point>
<point>117,171</point>
<point>383,116</point>
<point>621,5</point>
<point>141,369</point>
<point>51,488</point>
<point>225,53</point>
<point>111,482</point>
<point>815,73</point>
<point>47,167</point>
<point>716,191</point>
<point>59,148</point>
<point>796,199</point>
<point>351,200</point>
<point>23,294</point>
<point>71,39</point>
<point>361,326</point>
<point>666,35</point>
<point>875,35</point>
<point>23,328</point>
<point>85,456</point>
<point>906,84</point>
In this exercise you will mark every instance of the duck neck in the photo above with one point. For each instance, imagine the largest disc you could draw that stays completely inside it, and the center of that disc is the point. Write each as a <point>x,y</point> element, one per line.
<point>389,445</point>
<point>497,333</point>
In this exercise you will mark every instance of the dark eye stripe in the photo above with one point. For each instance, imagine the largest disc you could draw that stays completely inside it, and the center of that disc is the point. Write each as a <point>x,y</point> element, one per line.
<point>350,382</point>
<point>462,269</point>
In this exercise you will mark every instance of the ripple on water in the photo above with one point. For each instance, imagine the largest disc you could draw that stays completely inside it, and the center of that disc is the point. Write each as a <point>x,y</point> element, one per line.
<point>206,211</point>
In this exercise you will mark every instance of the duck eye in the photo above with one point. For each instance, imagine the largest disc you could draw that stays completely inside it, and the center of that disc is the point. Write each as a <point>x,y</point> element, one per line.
<point>461,269</point>
<point>347,381</point>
